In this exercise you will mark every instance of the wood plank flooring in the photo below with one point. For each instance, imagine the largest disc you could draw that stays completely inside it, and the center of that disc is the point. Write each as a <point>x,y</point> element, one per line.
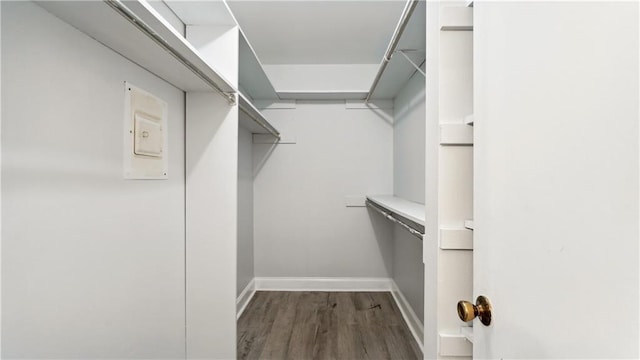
<point>324,325</point>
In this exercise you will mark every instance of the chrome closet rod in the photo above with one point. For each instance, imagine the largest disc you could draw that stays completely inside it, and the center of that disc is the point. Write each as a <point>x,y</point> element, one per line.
<point>137,22</point>
<point>395,39</point>
<point>389,216</point>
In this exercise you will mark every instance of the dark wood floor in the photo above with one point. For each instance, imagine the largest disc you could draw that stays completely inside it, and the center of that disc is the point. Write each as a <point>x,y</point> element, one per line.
<point>324,325</point>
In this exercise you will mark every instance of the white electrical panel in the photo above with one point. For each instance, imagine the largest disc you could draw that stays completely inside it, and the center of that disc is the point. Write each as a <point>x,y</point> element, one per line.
<point>145,132</point>
<point>148,137</point>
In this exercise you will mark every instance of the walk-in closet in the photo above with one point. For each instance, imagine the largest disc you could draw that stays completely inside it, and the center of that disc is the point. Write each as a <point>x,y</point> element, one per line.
<point>319,179</point>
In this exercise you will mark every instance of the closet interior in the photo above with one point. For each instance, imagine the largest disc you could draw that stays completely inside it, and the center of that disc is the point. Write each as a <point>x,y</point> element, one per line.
<point>349,186</point>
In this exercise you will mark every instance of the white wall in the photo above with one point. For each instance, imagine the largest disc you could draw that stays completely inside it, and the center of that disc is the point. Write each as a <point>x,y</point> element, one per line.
<point>92,265</point>
<point>409,140</point>
<point>408,183</point>
<point>245,210</point>
<point>302,227</point>
<point>321,77</point>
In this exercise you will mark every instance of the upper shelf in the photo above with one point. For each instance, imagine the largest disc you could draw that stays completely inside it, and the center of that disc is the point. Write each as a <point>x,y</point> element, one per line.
<point>252,78</point>
<point>138,32</point>
<point>405,208</point>
<point>399,70</point>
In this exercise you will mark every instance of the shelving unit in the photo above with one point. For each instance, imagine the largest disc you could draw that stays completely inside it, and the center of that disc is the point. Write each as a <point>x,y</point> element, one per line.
<point>136,31</point>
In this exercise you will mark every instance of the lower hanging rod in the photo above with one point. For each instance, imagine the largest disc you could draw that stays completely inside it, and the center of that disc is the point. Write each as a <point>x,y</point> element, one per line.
<point>147,30</point>
<point>390,216</point>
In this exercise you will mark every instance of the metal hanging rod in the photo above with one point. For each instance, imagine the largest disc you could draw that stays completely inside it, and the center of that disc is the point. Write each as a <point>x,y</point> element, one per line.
<point>248,108</point>
<point>147,30</point>
<point>390,216</point>
<point>395,39</point>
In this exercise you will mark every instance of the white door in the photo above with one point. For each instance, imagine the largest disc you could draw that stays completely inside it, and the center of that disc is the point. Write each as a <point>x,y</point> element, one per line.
<point>556,178</point>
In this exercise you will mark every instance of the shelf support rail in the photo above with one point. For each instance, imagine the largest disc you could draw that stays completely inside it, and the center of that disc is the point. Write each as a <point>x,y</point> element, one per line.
<point>390,216</point>
<point>147,30</point>
<point>395,39</point>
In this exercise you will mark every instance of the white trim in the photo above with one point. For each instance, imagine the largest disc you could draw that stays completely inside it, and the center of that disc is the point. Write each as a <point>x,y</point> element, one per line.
<point>245,296</point>
<point>410,317</point>
<point>322,284</point>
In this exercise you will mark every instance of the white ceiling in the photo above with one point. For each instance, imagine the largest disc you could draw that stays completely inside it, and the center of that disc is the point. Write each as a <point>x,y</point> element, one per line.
<point>318,32</point>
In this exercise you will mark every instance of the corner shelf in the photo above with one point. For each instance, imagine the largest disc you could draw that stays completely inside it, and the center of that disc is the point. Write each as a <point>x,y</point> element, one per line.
<point>139,33</point>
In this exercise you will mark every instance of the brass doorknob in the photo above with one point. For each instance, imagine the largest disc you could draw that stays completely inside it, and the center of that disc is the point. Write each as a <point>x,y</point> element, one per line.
<point>482,309</point>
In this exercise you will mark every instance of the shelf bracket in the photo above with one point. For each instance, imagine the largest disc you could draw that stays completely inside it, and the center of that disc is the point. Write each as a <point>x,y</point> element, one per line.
<point>402,52</point>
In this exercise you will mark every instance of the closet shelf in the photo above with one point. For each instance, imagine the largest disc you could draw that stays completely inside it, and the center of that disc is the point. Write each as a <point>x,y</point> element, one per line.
<point>253,120</point>
<point>252,78</point>
<point>136,31</point>
<point>407,209</point>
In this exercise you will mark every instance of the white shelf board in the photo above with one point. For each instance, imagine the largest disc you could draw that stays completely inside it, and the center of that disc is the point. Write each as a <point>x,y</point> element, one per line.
<point>252,77</point>
<point>250,116</point>
<point>456,239</point>
<point>456,134</point>
<point>399,70</point>
<point>456,18</point>
<point>468,224</point>
<point>322,95</point>
<point>454,344</point>
<point>106,25</point>
<point>467,332</point>
<point>408,209</point>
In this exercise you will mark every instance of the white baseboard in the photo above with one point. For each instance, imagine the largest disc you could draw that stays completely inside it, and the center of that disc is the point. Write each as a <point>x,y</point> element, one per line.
<point>245,296</point>
<point>410,317</point>
<point>322,284</point>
